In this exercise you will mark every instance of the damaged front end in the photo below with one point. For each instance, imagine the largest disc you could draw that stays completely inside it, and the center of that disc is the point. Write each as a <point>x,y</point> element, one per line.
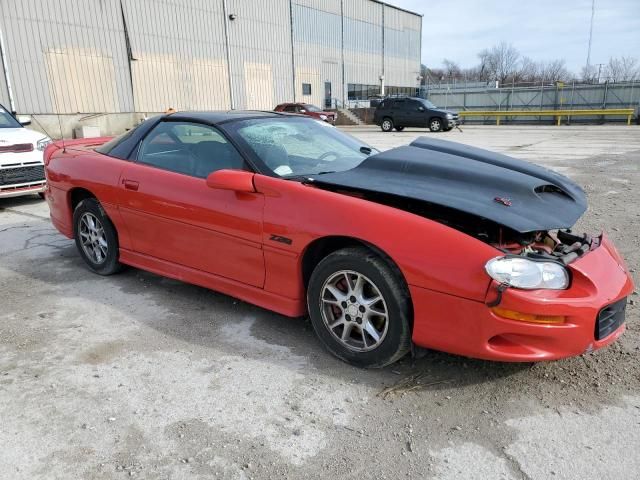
<point>560,245</point>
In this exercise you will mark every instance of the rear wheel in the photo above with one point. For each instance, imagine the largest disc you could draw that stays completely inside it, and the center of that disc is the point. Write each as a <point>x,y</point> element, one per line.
<point>387,124</point>
<point>96,237</point>
<point>399,129</point>
<point>360,308</point>
<point>435,124</point>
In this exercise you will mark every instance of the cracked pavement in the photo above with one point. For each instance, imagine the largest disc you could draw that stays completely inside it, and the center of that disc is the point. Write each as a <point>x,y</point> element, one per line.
<point>136,375</point>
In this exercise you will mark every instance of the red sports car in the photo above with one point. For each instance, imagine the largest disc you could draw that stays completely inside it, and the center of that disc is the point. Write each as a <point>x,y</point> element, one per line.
<point>447,246</point>
<point>308,110</point>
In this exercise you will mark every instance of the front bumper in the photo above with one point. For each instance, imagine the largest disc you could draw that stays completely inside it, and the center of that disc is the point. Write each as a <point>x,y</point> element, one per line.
<point>470,328</point>
<point>7,191</point>
<point>451,122</point>
<point>21,177</point>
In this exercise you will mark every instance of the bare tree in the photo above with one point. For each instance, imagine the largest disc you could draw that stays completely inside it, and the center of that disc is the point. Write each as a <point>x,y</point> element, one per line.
<point>484,73</point>
<point>529,71</point>
<point>502,61</point>
<point>451,69</point>
<point>553,71</point>
<point>589,74</point>
<point>622,69</point>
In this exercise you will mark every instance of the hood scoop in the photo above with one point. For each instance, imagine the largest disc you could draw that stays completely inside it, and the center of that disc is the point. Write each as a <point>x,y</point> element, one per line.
<point>511,192</point>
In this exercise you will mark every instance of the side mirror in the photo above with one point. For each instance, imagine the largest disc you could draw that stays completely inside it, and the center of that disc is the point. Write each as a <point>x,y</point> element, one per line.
<point>234,180</point>
<point>24,120</point>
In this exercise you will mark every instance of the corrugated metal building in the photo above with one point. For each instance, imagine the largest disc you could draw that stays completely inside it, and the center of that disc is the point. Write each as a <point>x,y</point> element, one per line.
<point>117,56</point>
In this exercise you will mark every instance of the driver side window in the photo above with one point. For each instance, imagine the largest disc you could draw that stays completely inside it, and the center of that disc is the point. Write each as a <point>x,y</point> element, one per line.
<point>189,148</point>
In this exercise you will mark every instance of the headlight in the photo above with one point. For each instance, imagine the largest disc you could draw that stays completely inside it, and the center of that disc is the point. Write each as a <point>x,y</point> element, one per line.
<point>42,143</point>
<point>449,115</point>
<point>521,272</point>
<point>323,117</point>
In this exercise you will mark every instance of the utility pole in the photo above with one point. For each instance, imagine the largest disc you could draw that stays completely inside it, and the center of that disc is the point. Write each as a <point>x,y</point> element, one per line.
<point>593,12</point>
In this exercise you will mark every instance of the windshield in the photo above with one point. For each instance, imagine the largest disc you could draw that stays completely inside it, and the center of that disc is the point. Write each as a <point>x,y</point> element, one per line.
<point>292,147</point>
<point>7,120</point>
<point>311,108</point>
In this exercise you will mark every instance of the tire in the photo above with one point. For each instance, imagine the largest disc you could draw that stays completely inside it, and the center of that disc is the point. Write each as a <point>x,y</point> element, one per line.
<point>41,195</point>
<point>381,279</point>
<point>435,124</point>
<point>387,124</point>
<point>96,237</point>
<point>399,129</point>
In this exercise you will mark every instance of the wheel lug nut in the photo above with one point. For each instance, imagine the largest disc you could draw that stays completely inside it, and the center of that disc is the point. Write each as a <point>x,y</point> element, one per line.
<point>348,317</point>
<point>344,304</point>
<point>352,299</point>
<point>362,309</point>
<point>359,320</point>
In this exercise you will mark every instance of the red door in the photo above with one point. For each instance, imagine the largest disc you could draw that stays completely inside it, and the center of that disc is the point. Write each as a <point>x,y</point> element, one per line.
<point>172,214</point>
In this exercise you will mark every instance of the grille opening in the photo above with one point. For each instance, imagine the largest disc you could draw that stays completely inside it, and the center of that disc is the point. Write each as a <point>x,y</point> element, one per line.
<point>610,318</point>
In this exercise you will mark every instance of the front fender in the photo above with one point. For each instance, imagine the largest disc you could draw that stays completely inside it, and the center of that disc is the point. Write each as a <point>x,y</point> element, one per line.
<point>430,255</point>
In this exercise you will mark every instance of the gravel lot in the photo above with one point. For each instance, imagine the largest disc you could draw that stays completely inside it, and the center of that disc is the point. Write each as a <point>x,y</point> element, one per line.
<point>137,375</point>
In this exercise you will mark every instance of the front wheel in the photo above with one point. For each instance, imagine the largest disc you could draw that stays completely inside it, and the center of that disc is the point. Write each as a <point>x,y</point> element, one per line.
<point>399,129</point>
<point>96,237</point>
<point>387,125</point>
<point>435,124</point>
<point>360,308</point>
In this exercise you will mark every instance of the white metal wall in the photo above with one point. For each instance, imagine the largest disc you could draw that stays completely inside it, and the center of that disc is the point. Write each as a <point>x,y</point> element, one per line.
<point>317,43</point>
<point>92,56</point>
<point>66,56</point>
<point>402,33</point>
<point>260,53</point>
<point>363,45</point>
<point>178,54</point>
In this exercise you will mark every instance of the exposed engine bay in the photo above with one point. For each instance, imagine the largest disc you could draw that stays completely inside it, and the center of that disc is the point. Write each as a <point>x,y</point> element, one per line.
<point>558,245</point>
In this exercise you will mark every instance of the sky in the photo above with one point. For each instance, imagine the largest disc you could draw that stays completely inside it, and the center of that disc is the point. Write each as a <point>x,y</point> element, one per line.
<point>540,29</point>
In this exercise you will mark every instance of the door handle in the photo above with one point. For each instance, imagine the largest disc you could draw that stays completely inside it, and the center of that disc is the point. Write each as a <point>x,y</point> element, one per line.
<point>130,184</point>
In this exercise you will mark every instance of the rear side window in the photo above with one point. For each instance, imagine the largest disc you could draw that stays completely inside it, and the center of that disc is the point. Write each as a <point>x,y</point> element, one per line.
<point>106,148</point>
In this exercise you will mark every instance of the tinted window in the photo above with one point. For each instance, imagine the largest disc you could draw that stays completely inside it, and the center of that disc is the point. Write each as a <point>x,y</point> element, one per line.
<point>290,109</point>
<point>189,148</point>
<point>415,105</point>
<point>106,148</point>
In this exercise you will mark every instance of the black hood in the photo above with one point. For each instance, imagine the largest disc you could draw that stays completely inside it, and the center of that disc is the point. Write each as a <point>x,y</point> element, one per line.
<point>507,191</point>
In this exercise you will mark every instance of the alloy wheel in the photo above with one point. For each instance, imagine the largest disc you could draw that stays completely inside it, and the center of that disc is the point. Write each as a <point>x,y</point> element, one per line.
<point>354,310</point>
<point>93,238</point>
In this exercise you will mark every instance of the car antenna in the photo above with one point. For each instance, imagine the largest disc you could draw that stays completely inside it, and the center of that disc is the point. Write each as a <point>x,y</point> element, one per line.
<point>33,117</point>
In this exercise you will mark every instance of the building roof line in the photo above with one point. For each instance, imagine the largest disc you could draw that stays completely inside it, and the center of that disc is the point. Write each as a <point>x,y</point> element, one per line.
<point>397,8</point>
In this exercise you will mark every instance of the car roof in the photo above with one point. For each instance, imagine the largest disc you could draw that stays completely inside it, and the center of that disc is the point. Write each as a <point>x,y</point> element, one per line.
<point>222,116</point>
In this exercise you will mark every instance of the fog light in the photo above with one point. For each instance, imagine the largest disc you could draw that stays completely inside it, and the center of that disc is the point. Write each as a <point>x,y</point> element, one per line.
<point>528,317</point>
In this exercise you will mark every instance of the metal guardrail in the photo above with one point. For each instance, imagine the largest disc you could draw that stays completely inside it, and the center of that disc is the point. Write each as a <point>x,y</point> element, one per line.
<point>547,113</point>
